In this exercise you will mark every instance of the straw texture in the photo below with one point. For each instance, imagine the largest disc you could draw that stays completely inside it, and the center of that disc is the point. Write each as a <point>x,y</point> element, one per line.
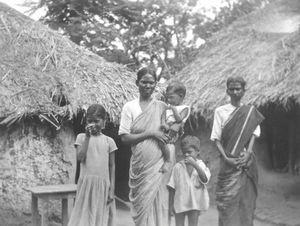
<point>38,65</point>
<point>267,58</point>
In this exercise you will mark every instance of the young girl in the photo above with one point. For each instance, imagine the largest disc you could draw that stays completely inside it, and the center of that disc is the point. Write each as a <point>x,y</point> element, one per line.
<point>95,190</point>
<point>173,120</point>
<point>188,193</point>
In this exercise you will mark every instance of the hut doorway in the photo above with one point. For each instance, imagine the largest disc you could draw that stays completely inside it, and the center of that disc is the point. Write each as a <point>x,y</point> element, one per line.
<point>278,155</point>
<point>281,130</point>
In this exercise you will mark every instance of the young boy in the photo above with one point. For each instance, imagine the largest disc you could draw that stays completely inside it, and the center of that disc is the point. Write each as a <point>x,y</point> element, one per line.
<point>173,119</point>
<point>188,193</point>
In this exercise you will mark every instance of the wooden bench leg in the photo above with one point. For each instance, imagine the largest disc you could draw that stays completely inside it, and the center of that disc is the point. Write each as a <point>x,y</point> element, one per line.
<point>64,211</point>
<point>34,210</point>
<point>45,213</point>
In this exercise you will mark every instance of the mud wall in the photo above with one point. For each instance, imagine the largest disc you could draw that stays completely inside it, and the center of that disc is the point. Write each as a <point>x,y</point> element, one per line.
<point>30,155</point>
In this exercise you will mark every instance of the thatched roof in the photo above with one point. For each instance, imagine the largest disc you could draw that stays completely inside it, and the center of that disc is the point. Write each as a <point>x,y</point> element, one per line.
<point>38,65</point>
<point>263,47</point>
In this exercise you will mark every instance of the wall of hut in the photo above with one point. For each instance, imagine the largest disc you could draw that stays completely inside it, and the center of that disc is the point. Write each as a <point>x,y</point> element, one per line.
<point>33,154</point>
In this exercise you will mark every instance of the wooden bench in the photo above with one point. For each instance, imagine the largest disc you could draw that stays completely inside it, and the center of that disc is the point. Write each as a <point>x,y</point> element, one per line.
<point>63,192</point>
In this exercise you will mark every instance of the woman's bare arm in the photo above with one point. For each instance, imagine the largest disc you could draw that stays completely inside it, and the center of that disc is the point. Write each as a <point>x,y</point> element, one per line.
<point>136,138</point>
<point>231,161</point>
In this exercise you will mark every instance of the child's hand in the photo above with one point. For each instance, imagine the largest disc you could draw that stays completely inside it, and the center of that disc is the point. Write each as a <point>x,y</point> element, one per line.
<point>165,128</point>
<point>88,130</point>
<point>171,107</point>
<point>190,160</point>
<point>91,129</point>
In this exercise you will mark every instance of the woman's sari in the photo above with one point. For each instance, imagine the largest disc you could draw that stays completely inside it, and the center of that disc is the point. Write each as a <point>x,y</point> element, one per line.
<point>236,190</point>
<point>148,192</point>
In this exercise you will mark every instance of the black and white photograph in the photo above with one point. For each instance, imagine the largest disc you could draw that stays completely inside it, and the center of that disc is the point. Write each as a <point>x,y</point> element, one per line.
<point>149,112</point>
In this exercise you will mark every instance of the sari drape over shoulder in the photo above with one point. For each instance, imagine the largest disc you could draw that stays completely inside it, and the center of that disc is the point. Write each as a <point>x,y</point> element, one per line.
<point>148,192</point>
<point>239,128</point>
<point>235,184</point>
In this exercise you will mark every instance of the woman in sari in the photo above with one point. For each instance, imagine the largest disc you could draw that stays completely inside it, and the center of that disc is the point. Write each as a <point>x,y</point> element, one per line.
<point>234,131</point>
<point>140,127</point>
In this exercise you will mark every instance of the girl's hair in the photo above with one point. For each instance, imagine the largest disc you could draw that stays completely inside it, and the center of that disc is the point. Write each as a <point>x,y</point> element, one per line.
<point>144,71</point>
<point>236,79</point>
<point>96,110</point>
<point>190,141</point>
<point>177,87</point>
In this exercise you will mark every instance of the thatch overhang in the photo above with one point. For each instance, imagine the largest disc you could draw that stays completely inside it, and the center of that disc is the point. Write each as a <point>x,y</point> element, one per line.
<point>40,69</point>
<point>263,47</point>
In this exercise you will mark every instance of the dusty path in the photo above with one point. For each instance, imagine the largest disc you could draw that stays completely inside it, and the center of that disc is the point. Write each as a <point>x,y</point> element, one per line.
<point>209,218</point>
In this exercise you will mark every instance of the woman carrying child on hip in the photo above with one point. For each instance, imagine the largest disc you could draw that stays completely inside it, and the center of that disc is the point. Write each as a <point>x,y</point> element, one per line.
<point>172,121</point>
<point>188,193</point>
<point>95,190</point>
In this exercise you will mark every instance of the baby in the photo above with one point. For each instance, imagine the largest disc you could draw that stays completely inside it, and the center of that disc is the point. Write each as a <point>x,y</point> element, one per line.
<point>173,118</point>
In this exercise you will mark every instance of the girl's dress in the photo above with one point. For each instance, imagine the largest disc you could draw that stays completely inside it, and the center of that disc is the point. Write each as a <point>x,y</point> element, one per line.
<point>91,207</point>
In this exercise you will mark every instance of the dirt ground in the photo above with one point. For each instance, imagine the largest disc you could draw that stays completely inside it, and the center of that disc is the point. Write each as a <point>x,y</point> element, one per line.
<point>278,204</point>
<point>279,198</point>
<point>209,218</point>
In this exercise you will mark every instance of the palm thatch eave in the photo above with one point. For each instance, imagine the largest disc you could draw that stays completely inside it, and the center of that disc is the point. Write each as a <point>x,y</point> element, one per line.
<point>268,60</point>
<point>38,65</point>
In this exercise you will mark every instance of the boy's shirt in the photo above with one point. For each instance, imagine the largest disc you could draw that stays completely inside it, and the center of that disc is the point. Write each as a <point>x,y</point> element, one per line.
<point>190,192</point>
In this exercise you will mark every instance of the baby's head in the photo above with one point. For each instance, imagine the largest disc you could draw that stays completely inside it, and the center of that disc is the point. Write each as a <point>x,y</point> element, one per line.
<point>175,93</point>
<point>190,146</point>
<point>96,117</point>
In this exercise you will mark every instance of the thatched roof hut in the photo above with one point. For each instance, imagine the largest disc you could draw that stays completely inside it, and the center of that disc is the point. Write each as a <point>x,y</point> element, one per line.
<point>40,68</point>
<point>263,47</point>
<point>46,83</point>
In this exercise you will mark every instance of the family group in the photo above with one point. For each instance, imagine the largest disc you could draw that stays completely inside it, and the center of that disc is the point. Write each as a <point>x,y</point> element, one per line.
<point>161,187</point>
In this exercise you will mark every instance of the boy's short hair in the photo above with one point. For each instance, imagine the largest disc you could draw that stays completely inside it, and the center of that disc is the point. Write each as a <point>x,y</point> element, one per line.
<point>191,141</point>
<point>238,79</point>
<point>177,87</point>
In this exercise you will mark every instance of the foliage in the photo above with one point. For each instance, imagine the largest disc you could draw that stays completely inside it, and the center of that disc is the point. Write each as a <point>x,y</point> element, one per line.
<point>228,14</point>
<point>164,33</point>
